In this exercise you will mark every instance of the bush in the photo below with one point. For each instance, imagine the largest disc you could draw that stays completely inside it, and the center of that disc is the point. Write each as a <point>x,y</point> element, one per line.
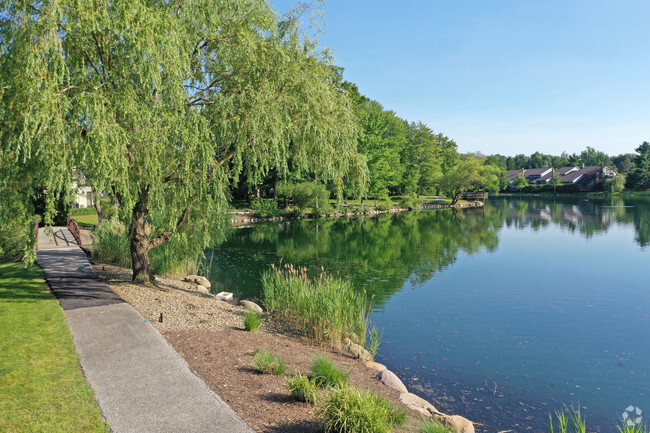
<point>326,374</point>
<point>306,195</point>
<point>111,244</point>
<point>326,309</point>
<point>302,389</point>
<point>410,201</point>
<point>615,184</point>
<point>348,410</point>
<point>265,207</point>
<point>252,321</point>
<point>384,205</point>
<point>376,338</point>
<point>270,364</point>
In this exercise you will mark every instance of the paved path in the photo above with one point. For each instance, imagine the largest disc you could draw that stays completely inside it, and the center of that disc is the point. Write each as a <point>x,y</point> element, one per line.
<point>140,382</point>
<point>59,237</point>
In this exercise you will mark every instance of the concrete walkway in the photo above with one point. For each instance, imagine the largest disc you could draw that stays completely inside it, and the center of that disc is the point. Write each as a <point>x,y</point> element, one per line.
<point>140,382</point>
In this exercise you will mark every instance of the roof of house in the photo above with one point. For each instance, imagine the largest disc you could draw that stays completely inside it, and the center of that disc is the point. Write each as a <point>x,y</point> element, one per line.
<point>566,170</point>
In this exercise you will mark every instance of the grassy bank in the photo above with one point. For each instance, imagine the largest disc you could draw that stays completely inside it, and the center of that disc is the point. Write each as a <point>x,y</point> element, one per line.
<point>43,388</point>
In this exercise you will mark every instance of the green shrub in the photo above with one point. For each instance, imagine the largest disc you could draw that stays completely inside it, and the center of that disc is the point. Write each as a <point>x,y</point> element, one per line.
<point>410,201</point>
<point>326,374</point>
<point>252,321</point>
<point>265,207</point>
<point>348,410</point>
<point>324,308</point>
<point>302,389</point>
<point>270,364</point>
<point>433,426</point>
<point>384,205</point>
<point>111,244</point>
<point>376,338</point>
<point>306,195</point>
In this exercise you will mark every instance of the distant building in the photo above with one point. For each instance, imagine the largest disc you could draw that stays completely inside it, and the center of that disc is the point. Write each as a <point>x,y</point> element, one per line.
<point>83,194</point>
<point>588,178</point>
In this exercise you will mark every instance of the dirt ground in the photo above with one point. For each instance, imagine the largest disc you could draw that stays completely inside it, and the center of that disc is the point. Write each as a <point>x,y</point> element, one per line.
<point>210,336</point>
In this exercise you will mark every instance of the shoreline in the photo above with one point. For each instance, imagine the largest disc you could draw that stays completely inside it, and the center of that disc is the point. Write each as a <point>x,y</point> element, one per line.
<point>209,334</point>
<point>242,218</point>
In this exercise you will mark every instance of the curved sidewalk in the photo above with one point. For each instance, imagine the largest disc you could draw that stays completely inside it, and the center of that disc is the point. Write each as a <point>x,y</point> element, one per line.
<point>140,382</point>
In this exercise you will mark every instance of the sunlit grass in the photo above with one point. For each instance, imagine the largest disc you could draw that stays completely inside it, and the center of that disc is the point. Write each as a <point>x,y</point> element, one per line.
<point>324,308</point>
<point>43,388</point>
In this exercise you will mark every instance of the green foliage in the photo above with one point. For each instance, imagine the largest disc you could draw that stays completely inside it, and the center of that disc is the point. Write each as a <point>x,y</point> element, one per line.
<point>265,207</point>
<point>252,321</point>
<point>376,337</point>
<point>306,195</point>
<point>470,175</point>
<point>302,388</point>
<point>632,428</point>
<point>43,387</point>
<point>111,244</point>
<point>324,308</point>
<point>82,211</point>
<point>327,375</point>
<point>268,363</point>
<point>433,426</point>
<point>639,178</point>
<point>384,205</point>
<point>199,96</point>
<point>348,410</point>
<point>410,201</point>
<point>568,418</point>
<point>615,184</point>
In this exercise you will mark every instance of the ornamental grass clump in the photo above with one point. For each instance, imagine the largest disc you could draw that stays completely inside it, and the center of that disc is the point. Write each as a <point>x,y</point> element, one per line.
<point>433,426</point>
<point>348,410</point>
<point>302,388</point>
<point>268,363</point>
<point>324,308</point>
<point>326,374</point>
<point>252,321</point>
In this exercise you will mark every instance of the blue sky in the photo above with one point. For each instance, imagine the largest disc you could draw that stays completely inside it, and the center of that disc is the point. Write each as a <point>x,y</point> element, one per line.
<point>502,76</point>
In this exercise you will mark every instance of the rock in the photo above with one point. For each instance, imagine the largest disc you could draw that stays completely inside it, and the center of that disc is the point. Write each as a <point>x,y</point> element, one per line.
<point>202,289</point>
<point>375,365</point>
<point>418,404</point>
<point>391,380</point>
<point>457,423</point>
<point>358,351</point>
<point>249,305</point>
<point>199,280</point>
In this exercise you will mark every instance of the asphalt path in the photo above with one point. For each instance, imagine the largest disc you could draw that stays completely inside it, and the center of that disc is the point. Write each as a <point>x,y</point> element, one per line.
<point>140,382</point>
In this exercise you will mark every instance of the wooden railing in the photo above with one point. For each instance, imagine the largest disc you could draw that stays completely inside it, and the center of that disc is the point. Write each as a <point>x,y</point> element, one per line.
<point>474,195</point>
<point>74,229</point>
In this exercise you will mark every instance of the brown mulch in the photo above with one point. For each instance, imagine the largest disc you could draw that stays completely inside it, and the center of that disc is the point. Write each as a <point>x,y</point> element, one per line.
<point>209,335</point>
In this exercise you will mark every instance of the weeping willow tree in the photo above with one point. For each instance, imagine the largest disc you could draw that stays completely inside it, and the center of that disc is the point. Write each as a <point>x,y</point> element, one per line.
<point>162,105</point>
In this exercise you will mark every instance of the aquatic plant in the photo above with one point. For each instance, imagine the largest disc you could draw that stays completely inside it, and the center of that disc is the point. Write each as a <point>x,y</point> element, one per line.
<point>324,308</point>
<point>376,338</point>
<point>568,418</point>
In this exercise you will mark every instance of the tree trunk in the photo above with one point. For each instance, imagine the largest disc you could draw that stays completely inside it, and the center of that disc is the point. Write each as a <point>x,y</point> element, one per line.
<point>98,206</point>
<point>140,245</point>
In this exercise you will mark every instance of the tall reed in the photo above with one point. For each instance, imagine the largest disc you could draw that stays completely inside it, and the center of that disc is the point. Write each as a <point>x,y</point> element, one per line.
<point>325,308</point>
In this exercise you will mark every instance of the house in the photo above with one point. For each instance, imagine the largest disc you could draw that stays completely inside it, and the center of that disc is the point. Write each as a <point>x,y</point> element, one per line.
<point>83,194</point>
<point>589,178</point>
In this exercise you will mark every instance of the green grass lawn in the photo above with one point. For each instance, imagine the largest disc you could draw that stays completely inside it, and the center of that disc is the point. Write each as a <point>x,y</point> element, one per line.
<point>42,386</point>
<point>90,219</point>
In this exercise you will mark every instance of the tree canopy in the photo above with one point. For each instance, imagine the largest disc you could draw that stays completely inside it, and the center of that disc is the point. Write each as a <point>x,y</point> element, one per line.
<point>164,105</point>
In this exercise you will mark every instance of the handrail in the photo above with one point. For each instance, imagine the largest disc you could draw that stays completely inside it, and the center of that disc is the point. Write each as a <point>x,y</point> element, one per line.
<point>36,232</point>
<point>74,229</point>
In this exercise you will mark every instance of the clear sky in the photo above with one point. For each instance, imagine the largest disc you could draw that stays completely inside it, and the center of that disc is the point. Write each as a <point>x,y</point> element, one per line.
<point>507,77</point>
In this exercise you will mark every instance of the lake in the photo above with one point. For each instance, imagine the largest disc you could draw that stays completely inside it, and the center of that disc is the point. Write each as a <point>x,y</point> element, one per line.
<point>502,314</point>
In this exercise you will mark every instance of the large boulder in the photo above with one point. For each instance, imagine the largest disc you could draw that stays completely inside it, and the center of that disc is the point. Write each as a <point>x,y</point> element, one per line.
<point>418,404</point>
<point>250,305</point>
<point>391,380</point>
<point>375,365</point>
<point>356,350</point>
<point>457,423</point>
<point>197,279</point>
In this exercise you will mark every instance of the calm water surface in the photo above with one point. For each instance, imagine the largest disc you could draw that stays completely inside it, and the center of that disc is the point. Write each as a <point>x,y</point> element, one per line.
<point>502,314</point>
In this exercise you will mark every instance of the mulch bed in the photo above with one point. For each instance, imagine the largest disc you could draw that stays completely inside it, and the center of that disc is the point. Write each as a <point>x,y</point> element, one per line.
<point>224,360</point>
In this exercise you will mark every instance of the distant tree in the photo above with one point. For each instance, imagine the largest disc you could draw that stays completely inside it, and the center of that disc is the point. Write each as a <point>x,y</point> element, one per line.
<point>560,161</point>
<point>539,160</point>
<point>517,162</point>
<point>469,175</point>
<point>520,182</point>
<point>591,156</point>
<point>639,178</point>
<point>421,159</point>
<point>615,184</point>
<point>556,181</point>
<point>497,161</point>
<point>624,162</point>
